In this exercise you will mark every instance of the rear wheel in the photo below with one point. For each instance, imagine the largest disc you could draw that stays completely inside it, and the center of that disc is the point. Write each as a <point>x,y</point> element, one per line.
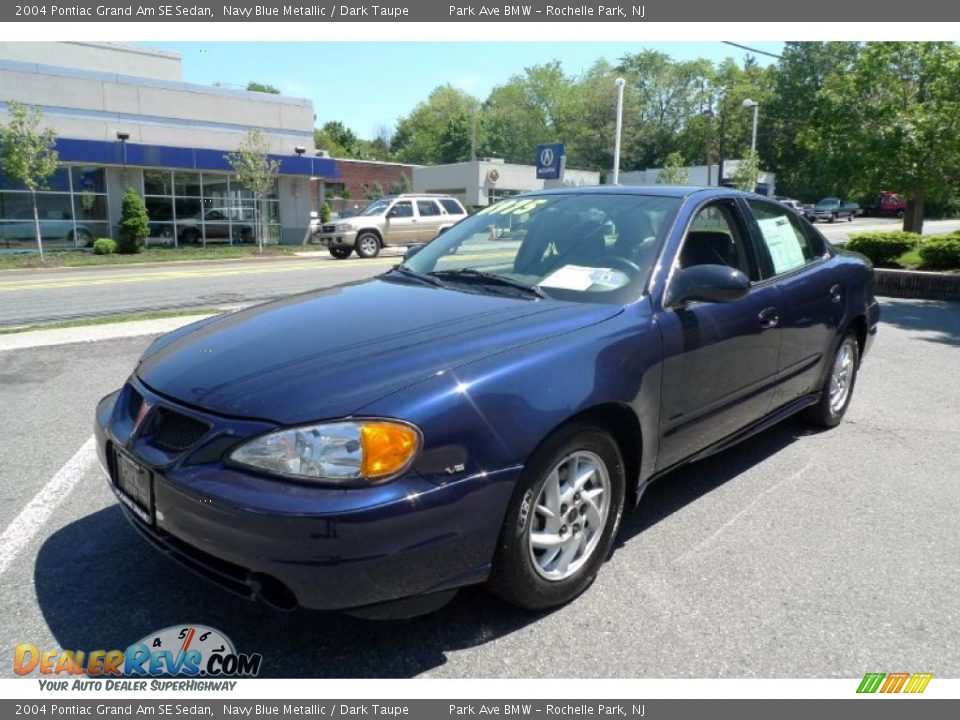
<point>837,389</point>
<point>561,524</point>
<point>340,253</point>
<point>368,245</point>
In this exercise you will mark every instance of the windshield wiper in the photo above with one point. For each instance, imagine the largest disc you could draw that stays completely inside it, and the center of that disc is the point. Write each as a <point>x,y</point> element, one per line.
<point>481,277</point>
<point>407,272</point>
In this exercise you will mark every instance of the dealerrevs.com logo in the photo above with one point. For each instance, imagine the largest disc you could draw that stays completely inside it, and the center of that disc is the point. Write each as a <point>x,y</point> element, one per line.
<point>179,651</point>
<point>887,683</point>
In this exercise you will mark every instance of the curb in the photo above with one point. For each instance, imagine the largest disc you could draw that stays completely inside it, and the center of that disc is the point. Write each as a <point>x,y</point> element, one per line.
<point>917,284</point>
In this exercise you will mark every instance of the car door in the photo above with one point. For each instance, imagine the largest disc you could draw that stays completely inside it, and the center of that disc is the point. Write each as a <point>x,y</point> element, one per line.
<point>402,224</point>
<point>430,219</point>
<point>720,359</point>
<point>795,259</point>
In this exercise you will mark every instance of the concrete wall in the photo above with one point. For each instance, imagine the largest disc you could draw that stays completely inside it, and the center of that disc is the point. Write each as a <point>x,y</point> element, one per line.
<point>95,105</point>
<point>97,56</point>
<point>470,182</point>
<point>295,207</point>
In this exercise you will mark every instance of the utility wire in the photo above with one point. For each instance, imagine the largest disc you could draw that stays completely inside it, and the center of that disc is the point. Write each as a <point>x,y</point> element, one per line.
<point>753,50</point>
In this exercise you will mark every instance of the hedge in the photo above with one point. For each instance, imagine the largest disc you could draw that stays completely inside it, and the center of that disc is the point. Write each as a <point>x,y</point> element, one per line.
<point>104,246</point>
<point>941,252</point>
<point>883,248</point>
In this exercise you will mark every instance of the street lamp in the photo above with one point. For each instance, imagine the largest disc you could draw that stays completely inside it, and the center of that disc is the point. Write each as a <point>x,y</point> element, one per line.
<point>616,146</point>
<point>747,104</point>
<point>300,150</point>
<point>708,115</point>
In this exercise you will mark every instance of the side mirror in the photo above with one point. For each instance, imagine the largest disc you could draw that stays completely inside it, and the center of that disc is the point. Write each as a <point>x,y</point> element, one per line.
<point>413,250</point>
<point>707,283</point>
<point>392,212</point>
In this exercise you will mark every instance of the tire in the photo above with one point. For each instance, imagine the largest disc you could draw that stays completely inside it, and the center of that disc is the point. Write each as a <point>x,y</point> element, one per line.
<point>340,253</point>
<point>833,218</point>
<point>849,218</point>
<point>833,406</point>
<point>367,245</point>
<point>533,576</point>
<point>190,235</point>
<point>82,238</point>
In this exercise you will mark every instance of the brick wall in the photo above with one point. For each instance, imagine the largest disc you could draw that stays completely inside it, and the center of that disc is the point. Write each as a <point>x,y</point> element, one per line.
<point>354,174</point>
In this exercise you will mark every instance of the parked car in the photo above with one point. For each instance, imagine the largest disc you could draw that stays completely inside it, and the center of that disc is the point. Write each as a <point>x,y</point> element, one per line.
<point>886,204</point>
<point>55,225</point>
<point>395,220</point>
<point>219,225</point>
<point>832,209</point>
<point>484,411</point>
<point>791,203</point>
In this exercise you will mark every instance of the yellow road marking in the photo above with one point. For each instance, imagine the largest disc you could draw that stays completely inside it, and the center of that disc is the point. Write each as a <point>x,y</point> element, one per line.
<point>180,274</point>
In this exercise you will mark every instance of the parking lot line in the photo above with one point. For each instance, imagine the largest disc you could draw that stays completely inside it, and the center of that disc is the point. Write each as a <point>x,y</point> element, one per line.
<point>27,524</point>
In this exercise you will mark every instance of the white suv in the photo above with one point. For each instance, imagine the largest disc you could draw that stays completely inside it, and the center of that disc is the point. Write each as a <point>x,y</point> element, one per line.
<point>393,220</point>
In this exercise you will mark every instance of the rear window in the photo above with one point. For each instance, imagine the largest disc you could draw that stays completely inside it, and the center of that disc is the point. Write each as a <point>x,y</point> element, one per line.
<point>427,208</point>
<point>451,206</point>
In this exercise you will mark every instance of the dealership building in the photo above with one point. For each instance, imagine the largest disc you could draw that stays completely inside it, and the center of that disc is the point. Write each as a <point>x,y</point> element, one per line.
<point>124,118</point>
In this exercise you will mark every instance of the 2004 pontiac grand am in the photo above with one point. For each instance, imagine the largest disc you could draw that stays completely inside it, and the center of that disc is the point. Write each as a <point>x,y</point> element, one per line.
<point>484,411</point>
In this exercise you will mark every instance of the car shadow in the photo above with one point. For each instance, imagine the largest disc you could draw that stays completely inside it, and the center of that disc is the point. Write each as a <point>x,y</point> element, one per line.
<point>100,586</point>
<point>931,316</point>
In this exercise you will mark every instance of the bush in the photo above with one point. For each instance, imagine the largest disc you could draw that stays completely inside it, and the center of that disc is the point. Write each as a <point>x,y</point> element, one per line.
<point>134,223</point>
<point>883,248</point>
<point>941,252</point>
<point>324,213</point>
<point>104,246</point>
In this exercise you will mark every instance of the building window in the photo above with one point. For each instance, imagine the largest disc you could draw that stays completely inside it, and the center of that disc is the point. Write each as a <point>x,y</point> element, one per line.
<point>192,208</point>
<point>72,210</point>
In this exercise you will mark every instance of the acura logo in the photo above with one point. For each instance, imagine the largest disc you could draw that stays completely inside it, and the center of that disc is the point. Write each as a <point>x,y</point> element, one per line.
<point>546,157</point>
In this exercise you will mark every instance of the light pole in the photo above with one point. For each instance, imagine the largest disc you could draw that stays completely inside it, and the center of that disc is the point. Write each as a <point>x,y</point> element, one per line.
<point>708,115</point>
<point>747,104</point>
<point>616,146</point>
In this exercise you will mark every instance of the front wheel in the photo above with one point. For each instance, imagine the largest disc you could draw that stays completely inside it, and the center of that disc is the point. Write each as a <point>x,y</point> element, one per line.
<point>837,389</point>
<point>368,245</point>
<point>561,524</point>
<point>340,253</point>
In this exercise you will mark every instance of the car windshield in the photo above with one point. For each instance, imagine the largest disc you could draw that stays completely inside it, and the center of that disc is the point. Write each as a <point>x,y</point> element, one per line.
<point>829,201</point>
<point>377,207</point>
<point>583,247</point>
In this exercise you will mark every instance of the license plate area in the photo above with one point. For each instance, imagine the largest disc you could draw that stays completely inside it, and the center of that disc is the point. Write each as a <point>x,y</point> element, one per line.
<point>134,485</point>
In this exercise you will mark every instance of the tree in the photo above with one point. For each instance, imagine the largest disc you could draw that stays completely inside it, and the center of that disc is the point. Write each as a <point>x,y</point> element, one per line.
<point>262,88</point>
<point>674,171</point>
<point>747,174</point>
<point>28,154</point>
<point>437,131</point>
<point>373,191</point>
<point>134,223</point>
<point>257,172</point>
<point>907,95</point>
<point>401,186</point>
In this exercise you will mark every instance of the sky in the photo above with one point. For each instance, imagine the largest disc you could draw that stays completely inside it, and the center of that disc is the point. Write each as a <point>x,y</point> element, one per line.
<point>368,84</point>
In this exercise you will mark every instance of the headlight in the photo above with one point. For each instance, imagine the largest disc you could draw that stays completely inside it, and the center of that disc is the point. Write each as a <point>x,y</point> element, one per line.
<point>346,453</point>
<point>341,227</point>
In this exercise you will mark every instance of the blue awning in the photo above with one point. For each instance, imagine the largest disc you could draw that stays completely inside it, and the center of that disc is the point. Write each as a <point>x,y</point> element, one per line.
<point>104,152</point>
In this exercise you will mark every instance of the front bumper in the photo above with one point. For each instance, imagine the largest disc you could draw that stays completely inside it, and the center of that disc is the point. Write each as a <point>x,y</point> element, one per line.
<point>344,239</point>
<point>293,544</point>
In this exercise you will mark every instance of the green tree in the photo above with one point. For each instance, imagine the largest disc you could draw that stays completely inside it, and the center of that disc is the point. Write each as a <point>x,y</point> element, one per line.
<point>257,172</point>
<point>401,186</point>
<point>28,154</point>
<point>893,121</point>
<point>674,171</point>
<point>134,223</point>
<point>373,191</point>
<point>253,86</point>
<point>747,173</point>
<point>437,130</point>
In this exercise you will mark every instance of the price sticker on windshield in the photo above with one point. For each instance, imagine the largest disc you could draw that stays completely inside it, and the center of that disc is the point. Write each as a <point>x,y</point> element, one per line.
<point>513,207</point>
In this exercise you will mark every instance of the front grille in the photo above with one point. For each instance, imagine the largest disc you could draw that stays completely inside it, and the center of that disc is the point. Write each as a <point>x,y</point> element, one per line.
<point>173,431</point>
<point>329,228</point>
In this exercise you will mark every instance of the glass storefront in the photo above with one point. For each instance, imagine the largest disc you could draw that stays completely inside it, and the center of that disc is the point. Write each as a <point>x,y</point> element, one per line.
<point>72,210</point>
<point>192,207</point>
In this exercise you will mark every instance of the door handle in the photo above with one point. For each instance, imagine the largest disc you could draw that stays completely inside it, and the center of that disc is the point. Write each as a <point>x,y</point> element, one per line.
<point>769,318</point>
<point>836,294</point>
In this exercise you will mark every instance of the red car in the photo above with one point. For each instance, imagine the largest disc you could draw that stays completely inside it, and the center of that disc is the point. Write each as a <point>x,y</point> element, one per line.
<point>887,204</point>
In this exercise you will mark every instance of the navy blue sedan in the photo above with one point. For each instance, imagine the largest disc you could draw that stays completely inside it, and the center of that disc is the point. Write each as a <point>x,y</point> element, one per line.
<point>484,411</point>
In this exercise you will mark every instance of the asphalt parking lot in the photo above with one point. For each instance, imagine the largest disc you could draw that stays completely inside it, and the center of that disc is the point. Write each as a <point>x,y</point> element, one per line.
<point>795,554</point>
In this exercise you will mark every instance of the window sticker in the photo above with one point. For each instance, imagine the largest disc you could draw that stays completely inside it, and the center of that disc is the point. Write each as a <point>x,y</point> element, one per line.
<point>577,277</point>
<point>785,248</point>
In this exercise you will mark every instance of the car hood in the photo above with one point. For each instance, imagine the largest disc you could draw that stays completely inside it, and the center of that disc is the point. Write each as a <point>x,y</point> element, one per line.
<point>328,353</point>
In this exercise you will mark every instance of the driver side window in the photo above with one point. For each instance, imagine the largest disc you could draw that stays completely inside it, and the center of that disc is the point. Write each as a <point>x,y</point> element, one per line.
<point>716,237</point>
